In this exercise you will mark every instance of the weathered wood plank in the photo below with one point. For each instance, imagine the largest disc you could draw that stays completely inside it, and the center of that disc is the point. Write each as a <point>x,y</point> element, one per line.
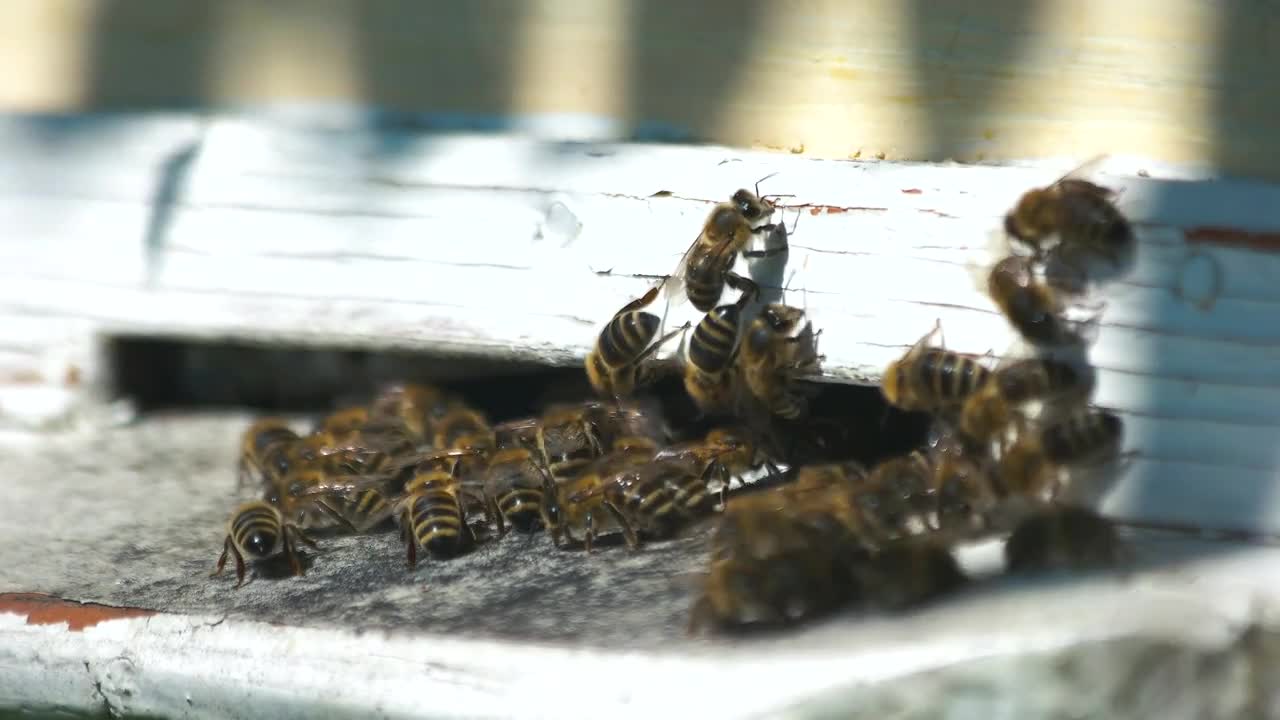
<point>513,247</point>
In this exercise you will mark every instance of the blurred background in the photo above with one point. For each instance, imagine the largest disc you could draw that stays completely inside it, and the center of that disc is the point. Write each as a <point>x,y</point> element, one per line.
<point>1182,81</point>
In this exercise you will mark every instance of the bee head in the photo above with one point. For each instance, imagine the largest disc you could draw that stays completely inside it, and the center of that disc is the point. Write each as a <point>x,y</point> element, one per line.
<point>751,206</point>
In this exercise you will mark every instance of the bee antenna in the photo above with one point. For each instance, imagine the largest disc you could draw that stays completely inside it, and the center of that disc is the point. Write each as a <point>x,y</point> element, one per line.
<point>766,177</point>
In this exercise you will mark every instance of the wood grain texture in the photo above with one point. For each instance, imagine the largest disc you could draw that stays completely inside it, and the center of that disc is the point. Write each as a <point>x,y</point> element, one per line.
<point>1182,81</point>
<point>511,247</point>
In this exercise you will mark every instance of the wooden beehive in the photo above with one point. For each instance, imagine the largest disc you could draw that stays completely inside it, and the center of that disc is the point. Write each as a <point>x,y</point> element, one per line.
<point>492,180</point>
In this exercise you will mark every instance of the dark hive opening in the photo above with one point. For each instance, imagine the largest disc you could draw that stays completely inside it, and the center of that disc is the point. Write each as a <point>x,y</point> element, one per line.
<point>174,375</point>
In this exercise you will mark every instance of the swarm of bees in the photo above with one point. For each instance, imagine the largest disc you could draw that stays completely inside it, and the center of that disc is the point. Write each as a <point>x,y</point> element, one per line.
<point>1010,441</point>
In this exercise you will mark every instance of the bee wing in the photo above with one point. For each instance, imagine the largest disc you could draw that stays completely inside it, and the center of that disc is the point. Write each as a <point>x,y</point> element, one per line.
<point>343,485</point>
<point>1085,168</point>
<point>673,286</point>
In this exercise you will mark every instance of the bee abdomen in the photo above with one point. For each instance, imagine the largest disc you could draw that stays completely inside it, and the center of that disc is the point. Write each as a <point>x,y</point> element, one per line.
<point>951,376</point>
<point>437,522</point>
<point>260,521</point>
<point>1081,435</point>
<point>712,347</point>
<point>522,508</point>
<point>626,336</point>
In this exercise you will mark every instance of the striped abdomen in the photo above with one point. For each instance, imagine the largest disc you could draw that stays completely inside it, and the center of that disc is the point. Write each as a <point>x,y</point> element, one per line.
<point>515,484</point>
<point>1089,218</point>
<point>625,337</point>
<point>646,500</point>
<point>715,339</point>
<point>1082,436</point>
<point>947,377</point>
<point>462,426</point>
<point>257,530</point>
<point>437,522</point>
<point>1036,379</point>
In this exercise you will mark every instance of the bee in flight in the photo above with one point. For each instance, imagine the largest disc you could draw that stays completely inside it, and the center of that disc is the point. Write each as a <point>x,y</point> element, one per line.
<point>616,366</point>
<point>932,379</point>
<point>1082,215</point>
<point>1032,306</point>
<point>258,531</point>
<point>707,266</point>
<point>997,406</point>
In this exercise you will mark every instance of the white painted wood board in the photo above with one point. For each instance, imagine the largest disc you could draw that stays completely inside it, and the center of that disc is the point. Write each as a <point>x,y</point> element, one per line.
<point>239,227</point>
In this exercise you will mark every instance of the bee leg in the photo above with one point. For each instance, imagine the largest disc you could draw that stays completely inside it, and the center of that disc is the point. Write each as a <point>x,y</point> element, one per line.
<point>327,509</point>
<point>304,537</point>
<point>239,565</point>
<point>291,554</point>
<point>701,617</point>
<point>749,289</point>
<point>589,538</point>
<point>640,302</point>
<point>628,532</point>
<point>222,559</point>
<point>497,515</point>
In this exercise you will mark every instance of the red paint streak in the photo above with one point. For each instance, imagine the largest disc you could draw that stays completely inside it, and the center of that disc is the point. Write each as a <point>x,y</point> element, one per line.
<point>42,609</point>
<point>913,191</point>
<point>1229,237</point>
<point>834,209</point>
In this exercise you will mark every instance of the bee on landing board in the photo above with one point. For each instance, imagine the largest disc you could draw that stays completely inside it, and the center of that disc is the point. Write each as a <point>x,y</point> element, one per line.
<point>578,502</point>
<point>932,379</point>
<point>433,514</point>
<point>264,451</point>
<point>1082,215</point>
<point>258,531</point>
<point>1063,538</point>
<point>706,267</point>
<point>616,366</point>
<point>515,483</point>
<point>778,346</point>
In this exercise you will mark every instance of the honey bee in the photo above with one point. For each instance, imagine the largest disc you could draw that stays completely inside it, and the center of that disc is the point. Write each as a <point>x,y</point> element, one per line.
<point>777,348</point>
<point>433,514</point>
<point>515,486</point>
<point>899,494</point>
<point>1031,306</point>
<point>414,408</point>
<point>907,573</point>
<point>966,493</point>
<point>707,266</point>
<point>344,421</point>
<point>259,531</point>
<point>778,557</point>
<point>1031,467</point>
<point>1063,537</point>
<point>616,366</point>
<point>995,406</point>
<point>1082,214</point>
<point>263,451</point>
<point>579,502</point>
<point>710,370</point>
<point>722,454</point>
<point>659,498</point>
<point>327,494</point>
<point>932,379</point>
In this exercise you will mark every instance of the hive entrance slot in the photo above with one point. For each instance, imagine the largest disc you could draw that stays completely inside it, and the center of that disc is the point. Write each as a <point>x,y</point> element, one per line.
<point>176,375</point>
